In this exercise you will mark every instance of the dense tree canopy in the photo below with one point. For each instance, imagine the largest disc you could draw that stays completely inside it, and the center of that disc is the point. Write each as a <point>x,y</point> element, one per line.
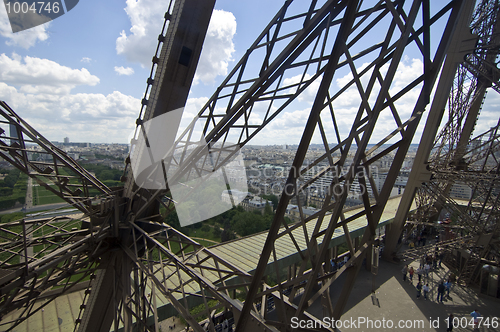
<point>228,224</point>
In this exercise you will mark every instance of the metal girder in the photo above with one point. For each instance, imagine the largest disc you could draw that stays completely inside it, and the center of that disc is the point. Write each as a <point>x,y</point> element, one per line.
<point>49,166</point>
<point>173,68</point>
<point>336,44</point>
<point>52,254</point>
<point>42,261</point>
<point>364,125</point>
<point>195,273</point>
<point>464,104</point>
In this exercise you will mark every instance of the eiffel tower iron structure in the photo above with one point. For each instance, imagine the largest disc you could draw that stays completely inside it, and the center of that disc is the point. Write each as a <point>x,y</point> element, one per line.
<point>340,52</point>
<point>456,158</point>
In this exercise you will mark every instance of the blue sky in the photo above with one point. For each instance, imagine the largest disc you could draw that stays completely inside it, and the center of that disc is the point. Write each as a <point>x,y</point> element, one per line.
<point>90,60</point>
<point>83,75</point>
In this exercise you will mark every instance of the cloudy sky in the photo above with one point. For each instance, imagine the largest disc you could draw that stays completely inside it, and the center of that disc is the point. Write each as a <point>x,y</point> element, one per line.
<point>83,75</point>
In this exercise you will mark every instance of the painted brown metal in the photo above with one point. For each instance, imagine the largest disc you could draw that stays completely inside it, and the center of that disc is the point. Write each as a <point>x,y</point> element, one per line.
<point>146,256</point>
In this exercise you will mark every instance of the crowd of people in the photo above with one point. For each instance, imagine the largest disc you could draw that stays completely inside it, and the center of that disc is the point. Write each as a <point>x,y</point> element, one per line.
<point>428,264</point>
<point>423,275</point>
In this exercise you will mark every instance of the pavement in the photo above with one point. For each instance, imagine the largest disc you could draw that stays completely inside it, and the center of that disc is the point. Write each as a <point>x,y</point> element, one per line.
<point>396,301</point>
<point>28,207</point>
<point>37,208</point>
<point>172,324</point>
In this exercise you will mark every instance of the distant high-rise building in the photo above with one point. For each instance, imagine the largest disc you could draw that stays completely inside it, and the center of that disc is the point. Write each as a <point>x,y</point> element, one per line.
<point>13,133</point>
<point>66,140</point>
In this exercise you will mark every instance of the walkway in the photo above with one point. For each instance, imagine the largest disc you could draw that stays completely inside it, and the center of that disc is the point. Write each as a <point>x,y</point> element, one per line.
<point>397,301</point>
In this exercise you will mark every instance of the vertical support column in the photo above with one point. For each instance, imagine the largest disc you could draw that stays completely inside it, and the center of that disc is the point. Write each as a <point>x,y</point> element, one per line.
<point>126,269</point>
<point>369,254</point>
<point>107,292</point>
<point>459,19</point>
<point>176,67</point>
<point>462,42</point>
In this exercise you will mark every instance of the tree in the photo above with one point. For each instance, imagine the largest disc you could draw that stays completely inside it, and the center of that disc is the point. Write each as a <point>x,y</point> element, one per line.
<point>173,220</point>
<point>11,179</point>
<point>268,210</point>
<point>227,236</point>
<point>106,175</point>
<point>273,198</point>
<point>6,191</point>
<point>249,223</point>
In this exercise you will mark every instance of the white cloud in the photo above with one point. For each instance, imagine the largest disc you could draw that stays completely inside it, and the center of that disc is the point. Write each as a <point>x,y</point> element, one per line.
<point>489,115</point>
<point>193,106</point>
<point>408,70</point>
<point>309,93</point>
<point>83,117</point>
<point>86,59</point>
<point>146,18</point>
<point>24,39</point>
<point>289,120</point>
<point>39,91</point>
<point>288,127</point>
<point>218,47</point>
<point>124,71</point>
<point>36,75</point>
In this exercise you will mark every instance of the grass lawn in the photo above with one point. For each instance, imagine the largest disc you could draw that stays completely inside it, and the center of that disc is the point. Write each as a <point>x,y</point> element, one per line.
<point>203,234</point>
<point>43,196</point>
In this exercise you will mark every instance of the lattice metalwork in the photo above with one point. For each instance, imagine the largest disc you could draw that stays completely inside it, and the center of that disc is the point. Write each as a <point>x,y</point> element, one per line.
<point>461,171</point>
<point>340,52</point>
